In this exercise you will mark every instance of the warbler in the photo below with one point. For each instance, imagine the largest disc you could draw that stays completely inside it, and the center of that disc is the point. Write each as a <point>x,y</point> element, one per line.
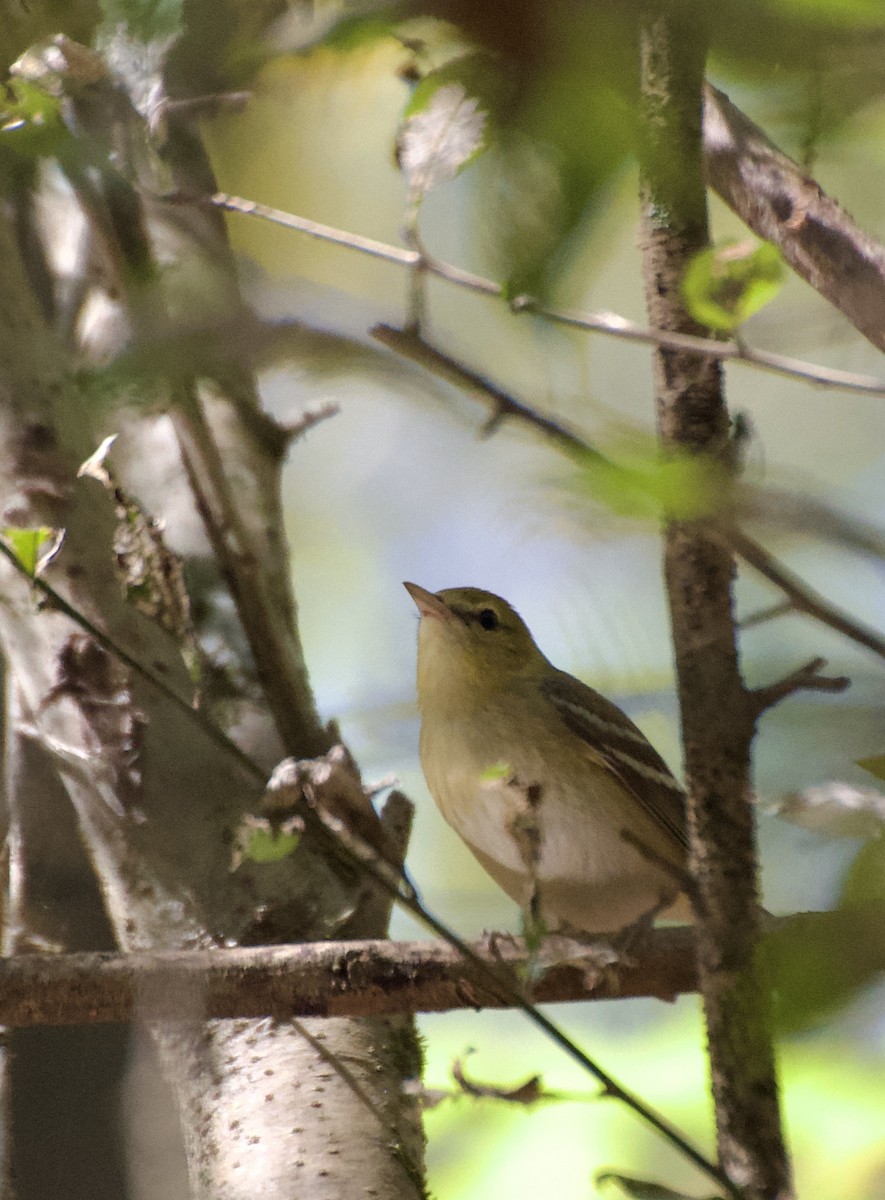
<point>556,792</point>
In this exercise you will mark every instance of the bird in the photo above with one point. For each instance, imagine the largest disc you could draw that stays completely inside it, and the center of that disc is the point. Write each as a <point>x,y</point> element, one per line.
<point>560,797</point>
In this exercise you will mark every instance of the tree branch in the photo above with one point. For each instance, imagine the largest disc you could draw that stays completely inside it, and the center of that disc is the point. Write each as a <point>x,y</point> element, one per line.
<point>803,599</point>
<point>371,977</point>
<point>717,729</point>
<point>778,201</point>
<point>806,678</point>
<point>321,979</point>
<point>608,323</point>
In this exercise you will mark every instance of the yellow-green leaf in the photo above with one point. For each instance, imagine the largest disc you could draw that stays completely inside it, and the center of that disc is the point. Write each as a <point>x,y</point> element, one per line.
<point>875,765</point>
<point>726,284</point>
<point>34,548</point>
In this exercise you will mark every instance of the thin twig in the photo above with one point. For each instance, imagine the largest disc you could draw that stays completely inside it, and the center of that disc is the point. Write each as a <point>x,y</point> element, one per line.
<point>310,417</point>
<point>607,323</point>
<point>802,598</point>
<point>804,679</point>
<point>280,670</point>
<point>769,613</point>
<point>415,348</point>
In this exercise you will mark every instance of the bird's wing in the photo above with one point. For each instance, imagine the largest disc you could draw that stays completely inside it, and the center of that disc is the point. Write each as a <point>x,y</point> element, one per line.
<point>624,749</point>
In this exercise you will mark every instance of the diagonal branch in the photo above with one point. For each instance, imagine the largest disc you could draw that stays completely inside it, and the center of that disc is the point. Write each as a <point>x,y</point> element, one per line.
<point>780,202</point>
<point>503,405</point>
<point>802,598</point>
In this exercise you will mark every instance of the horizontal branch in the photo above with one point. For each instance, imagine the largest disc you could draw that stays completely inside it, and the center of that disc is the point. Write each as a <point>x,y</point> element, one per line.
<point>370,978</point>
<point>320,979</point>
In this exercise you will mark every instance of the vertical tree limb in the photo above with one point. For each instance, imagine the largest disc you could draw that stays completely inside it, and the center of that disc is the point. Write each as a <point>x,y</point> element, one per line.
<point>717,723</point>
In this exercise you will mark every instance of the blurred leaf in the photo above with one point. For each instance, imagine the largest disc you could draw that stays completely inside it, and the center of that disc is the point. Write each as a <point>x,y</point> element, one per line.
<point>148,370</point>
<point>726,284</point>
<point>445,125</point>
<point>31,124</point>
<point>33,548</point>
<point>835,810</point>
<point>865,880</point>
<point>819,961</point>
<point>523,209</point>
<point>353,32</point>
<point>642,484</point>
<point>875,765</point>
<point>645,1189</point>
<point>495,773</point>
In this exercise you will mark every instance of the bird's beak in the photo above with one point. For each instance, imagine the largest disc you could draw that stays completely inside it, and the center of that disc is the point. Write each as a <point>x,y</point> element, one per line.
<point>427,604</point>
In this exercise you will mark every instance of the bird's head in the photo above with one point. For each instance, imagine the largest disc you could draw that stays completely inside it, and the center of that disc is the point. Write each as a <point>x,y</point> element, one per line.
<point>469,643</point>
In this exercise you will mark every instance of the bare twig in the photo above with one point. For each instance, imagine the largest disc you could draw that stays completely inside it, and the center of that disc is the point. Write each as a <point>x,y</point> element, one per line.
<point>803,598</point>
<point>769,613</point>
<point>608,323</point>
<point>806,678</point>
<point>308,419</point>
<point>504,405</point>
<point>278,662</point>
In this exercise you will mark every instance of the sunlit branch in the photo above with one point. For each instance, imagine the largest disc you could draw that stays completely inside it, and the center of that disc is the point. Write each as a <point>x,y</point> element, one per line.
<point>326,979</point>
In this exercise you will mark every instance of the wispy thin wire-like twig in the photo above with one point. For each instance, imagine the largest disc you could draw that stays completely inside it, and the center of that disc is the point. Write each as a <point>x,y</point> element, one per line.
<point>608,323</point>
<point>805,599</point>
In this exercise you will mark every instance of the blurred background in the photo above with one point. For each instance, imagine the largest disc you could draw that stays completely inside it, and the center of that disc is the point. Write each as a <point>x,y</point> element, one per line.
<point>401,485</point>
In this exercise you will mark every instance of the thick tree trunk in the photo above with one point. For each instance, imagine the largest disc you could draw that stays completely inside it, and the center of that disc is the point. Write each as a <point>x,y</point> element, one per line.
<point>267,1109</point>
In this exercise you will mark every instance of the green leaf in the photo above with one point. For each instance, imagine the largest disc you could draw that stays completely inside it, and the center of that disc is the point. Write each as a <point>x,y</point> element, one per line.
<point>259,841</point>
<point>265,846</point>
<point>726,284</point>
<point>496,772</point>
<point>33,548</point>
<point>645,1189</point>
<point>875,765</point>
<point>864,881</point>
<point>643,484</point>
<point>819,962</point>
<point>31,124</point>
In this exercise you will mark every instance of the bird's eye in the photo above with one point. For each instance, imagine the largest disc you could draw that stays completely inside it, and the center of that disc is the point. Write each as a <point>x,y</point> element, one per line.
<point>488,618</point>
